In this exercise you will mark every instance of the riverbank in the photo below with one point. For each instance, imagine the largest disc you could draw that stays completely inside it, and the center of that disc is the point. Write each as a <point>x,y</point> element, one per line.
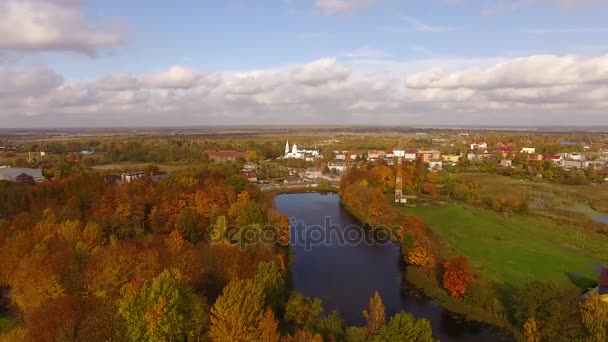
<point>481,304</point>
<point>326,270</point>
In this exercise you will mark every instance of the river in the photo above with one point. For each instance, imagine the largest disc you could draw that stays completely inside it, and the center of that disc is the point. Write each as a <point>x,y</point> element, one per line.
<point>346,275</point>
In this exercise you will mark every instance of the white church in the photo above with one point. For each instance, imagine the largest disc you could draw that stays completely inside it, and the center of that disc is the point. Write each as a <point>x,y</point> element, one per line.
<point>295,153</point>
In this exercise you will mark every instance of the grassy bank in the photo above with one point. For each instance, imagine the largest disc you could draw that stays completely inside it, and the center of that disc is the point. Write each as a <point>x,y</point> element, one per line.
<point>519,248</point>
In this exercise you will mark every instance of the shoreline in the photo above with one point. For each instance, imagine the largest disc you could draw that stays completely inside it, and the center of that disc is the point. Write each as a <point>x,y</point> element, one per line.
<point>423,286</point>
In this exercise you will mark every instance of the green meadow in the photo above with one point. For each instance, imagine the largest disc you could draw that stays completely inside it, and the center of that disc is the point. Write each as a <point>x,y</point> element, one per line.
<point>513,250</point>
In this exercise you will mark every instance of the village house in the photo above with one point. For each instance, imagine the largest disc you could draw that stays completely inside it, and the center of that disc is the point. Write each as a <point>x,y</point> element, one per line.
<point>353,155</point>
<point>375,155</point>
<point>451,158</point>
<point>573,164</point>
<point>427,156</point>
<point>481,146</point>
<point>224,155</point>
<point>556,158</point>
<point>505,151</point>
<point>250,175</point>
<point>249,166</point>
<point>535,157</point>
<point>506,162</point>
<point>410,154</point>
<point>338,166</point>
<point>131,176</point>
<point>312,172</point>
<point>529,150</point>
<point>435,165</point>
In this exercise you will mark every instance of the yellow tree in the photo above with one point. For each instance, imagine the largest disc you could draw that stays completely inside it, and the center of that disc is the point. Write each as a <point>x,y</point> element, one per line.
<point>269,327</point>
<point>594,312</point>
<point>237,313</point>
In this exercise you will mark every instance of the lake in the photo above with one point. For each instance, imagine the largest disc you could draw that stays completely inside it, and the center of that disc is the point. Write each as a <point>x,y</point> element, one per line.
<point>345,275</point>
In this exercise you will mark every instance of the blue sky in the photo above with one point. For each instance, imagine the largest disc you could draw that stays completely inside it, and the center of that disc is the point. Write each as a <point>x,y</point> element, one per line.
<point>241,35</point>
<point>457,51</point>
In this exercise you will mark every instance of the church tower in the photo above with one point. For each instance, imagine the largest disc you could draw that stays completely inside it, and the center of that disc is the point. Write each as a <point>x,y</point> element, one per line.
<point>286,147</point>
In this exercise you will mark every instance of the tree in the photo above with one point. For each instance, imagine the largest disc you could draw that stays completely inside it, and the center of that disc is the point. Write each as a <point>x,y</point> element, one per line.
<point>457,276</point>
<point>331,328</point>
<point>404,327</point>
<point>269,327</point>
<point>594,313</point>
<point>237,313</point>
<point>531,330</point>
<point>303,311</point>
<point>420,254</point>
<point>159,310</point>
<point>238,182</point>
<point>555,308</point>
<point>269,279</point>
<point>375,315</point>
<point>190,224</point>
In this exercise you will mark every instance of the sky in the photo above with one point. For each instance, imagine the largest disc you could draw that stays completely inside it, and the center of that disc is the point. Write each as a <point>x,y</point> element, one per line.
<point>129,63</point>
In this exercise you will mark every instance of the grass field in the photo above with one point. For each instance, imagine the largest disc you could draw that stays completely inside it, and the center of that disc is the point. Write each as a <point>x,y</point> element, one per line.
<point>142,166</point>
<point>517,249</point>
<point>540,192</point>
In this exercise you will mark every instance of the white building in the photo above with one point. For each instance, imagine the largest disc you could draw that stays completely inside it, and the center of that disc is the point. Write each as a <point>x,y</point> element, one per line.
<point>295,153</point>
<point>529,150</point>
<point>339,166</point>
<point>479,146</point>
<point>435,165</point>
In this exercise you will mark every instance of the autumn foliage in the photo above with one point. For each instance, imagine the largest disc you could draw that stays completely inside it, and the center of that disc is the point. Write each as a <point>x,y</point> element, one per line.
<point>457,276</point>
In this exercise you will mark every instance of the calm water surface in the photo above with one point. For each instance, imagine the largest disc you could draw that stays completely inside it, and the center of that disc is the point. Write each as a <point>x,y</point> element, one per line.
<point>346,276</point>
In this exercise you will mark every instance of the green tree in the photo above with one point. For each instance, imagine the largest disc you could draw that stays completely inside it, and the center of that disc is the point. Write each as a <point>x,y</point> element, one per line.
<point>303,311</point>
<point>331,328</point>
<point>375,315</point>
<point>190,224</point>
<point>237,313</point>
<point>404,327</point>
<point>160,310</point>
<point>238,182</point>
<point>270,280</point>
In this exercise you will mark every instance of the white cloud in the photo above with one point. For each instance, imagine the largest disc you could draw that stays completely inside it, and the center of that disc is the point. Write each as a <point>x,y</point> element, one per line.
<point>175,78</point>
<point>529,72</point>
<point>320,71</point>
<point>55,25</point>
<point>541,89</point>
<point>30,82</point>
<point>336,7</point>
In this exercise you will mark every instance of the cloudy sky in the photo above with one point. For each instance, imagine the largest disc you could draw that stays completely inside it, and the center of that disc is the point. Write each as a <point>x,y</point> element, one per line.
<point>234,62</point>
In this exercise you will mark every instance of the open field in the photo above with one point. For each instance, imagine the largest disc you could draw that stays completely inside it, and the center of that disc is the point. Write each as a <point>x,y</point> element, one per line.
<point>541,193</point>
<point>142,166</point>
<point>521,248</point>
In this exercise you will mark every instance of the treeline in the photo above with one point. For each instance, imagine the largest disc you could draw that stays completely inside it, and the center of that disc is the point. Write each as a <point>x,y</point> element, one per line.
<point>87,259</point>
<point>524,168</point>
<point>531,313</point>
<point>153,150</point>
<point>83,259</point>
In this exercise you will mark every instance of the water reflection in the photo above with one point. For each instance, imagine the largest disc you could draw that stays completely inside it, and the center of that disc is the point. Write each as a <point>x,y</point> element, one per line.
<point>346,276</point>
